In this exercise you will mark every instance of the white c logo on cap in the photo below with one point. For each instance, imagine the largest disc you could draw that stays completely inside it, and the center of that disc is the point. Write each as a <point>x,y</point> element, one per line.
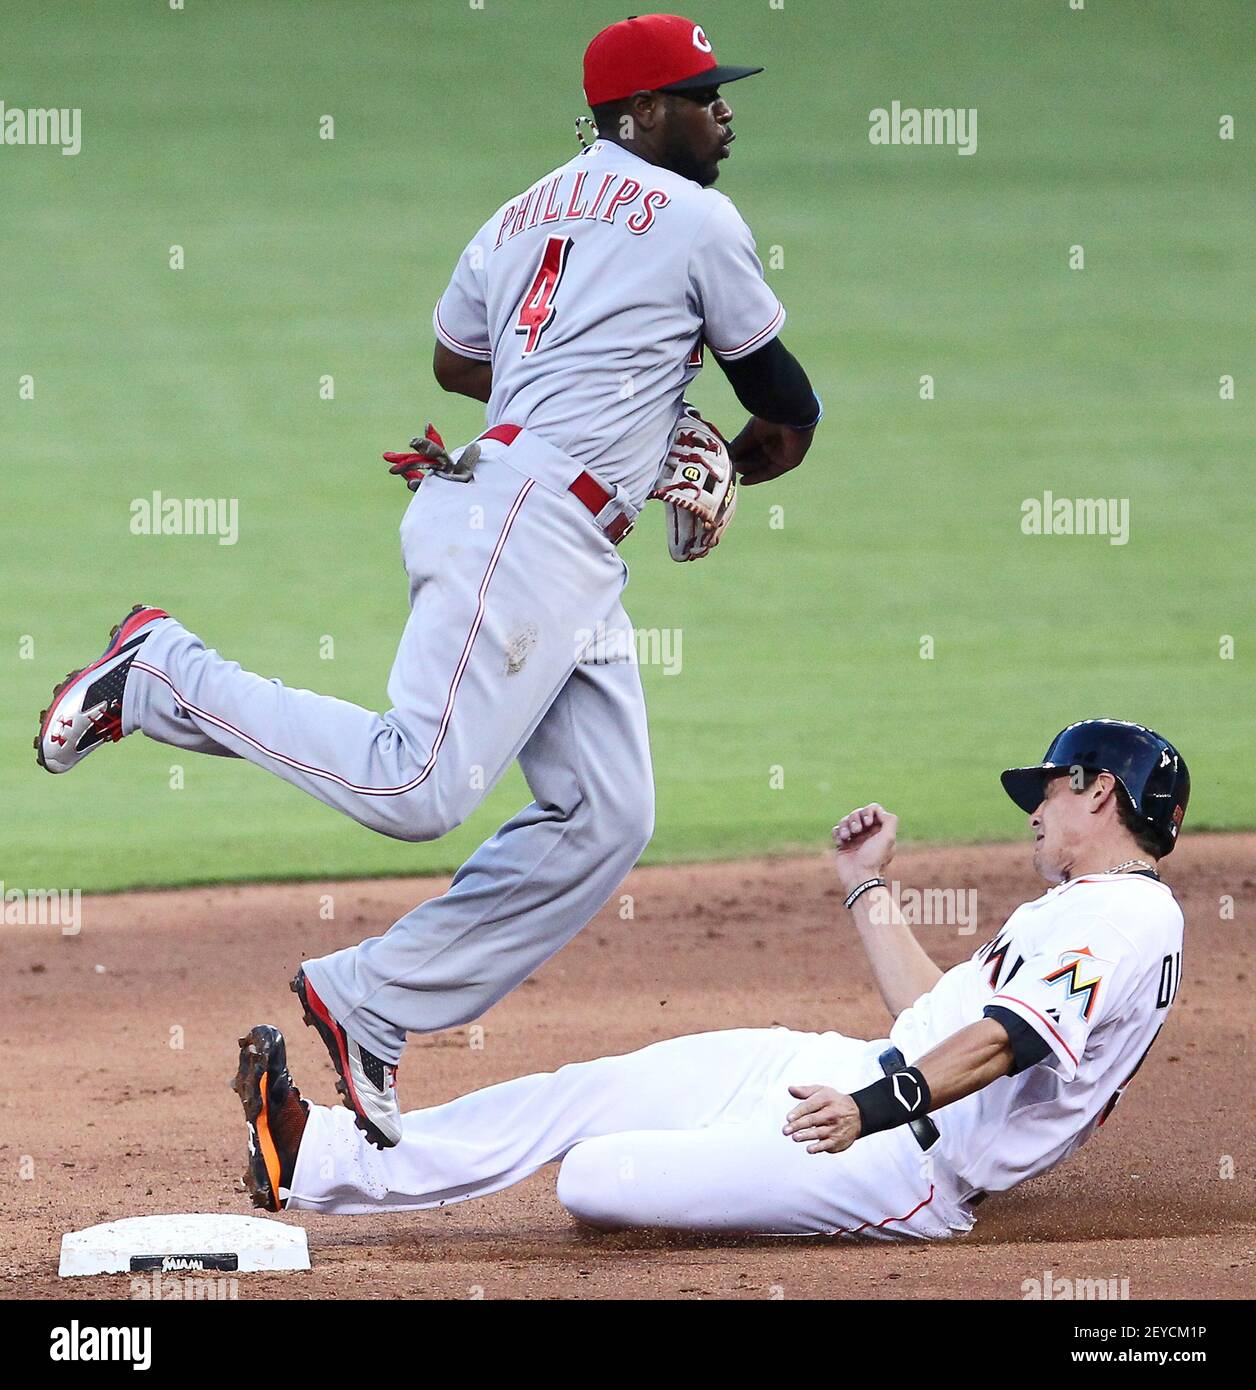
<point>700,40</point>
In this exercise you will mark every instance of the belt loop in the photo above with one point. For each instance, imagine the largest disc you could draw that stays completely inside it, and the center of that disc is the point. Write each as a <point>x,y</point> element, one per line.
<point>617,517</point>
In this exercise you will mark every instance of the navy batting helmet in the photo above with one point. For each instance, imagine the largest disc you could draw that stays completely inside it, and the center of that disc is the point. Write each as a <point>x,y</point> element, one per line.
<point>1148,769</point>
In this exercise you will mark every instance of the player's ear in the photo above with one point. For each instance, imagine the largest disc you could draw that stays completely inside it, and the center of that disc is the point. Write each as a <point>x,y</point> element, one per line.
<point>645,109</point>
<point>1101,789</point>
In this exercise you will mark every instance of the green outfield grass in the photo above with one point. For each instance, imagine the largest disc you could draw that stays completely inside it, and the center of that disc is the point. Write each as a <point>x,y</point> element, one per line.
<point>802,634</point>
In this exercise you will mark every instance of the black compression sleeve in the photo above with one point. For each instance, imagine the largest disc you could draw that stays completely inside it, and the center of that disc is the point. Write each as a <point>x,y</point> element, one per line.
<point>1028,1046</point>
<point>771,384</point>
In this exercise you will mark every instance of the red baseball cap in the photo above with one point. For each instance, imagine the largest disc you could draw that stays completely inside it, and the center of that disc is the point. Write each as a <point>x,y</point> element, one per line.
<point>649,53</point>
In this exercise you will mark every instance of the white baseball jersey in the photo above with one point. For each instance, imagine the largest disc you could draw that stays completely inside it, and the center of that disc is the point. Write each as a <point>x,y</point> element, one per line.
<point>592,294</point>
<point>1092,967</point>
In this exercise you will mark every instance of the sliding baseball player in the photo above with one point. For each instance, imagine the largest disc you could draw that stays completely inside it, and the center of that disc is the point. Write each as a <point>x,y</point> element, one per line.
<point>993,1072</point>
<point>579,312</point>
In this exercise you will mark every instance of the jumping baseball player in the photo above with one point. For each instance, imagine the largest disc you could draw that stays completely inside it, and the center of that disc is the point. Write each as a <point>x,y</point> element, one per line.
<point>579,312</point>
<point>993,1072</point>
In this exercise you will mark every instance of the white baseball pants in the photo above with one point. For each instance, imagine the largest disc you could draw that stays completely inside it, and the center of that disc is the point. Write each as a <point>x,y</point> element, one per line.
<point>684,1134</point>
<point>517,646</point>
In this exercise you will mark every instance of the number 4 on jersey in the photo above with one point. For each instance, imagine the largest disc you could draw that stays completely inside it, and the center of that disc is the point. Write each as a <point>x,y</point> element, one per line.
<point>537,310</point>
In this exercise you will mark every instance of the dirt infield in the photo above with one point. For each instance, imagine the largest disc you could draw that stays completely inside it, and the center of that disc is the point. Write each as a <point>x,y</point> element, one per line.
<point>120,1042</point>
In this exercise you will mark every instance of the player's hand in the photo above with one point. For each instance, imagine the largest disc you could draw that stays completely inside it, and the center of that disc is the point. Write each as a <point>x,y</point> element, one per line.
<point>826,1120</point>
<point>431,456</point>
<point>764,450</point>
<point>411,467</point>
<point>864,842</point>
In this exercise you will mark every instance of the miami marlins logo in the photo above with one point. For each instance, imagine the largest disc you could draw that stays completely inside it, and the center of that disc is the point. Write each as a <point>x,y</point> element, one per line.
<point>1078,976</point>
<point>994,955</point>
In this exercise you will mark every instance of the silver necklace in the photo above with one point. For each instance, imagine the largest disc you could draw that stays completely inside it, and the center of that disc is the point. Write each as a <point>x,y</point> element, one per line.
<point>1132,864</point>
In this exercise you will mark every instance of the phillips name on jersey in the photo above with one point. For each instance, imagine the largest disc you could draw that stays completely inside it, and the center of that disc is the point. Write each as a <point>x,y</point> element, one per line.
<point>592,293</point>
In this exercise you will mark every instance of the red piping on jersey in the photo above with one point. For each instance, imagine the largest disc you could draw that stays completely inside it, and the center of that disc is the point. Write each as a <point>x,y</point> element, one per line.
<point>750,342</point>
<point>446,715</point>
<point>1013,1000</point>
<point>486,354</point>
<point>876,1226</point>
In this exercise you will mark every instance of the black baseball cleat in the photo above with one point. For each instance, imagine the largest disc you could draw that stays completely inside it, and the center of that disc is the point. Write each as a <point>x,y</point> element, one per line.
<point>86,708</point>
<point>275,1112</point>
<point>367,1083</point>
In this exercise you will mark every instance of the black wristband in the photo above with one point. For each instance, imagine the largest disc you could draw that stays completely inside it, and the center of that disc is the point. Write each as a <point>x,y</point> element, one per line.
<point>860,889</point>
<point>892,1101</point>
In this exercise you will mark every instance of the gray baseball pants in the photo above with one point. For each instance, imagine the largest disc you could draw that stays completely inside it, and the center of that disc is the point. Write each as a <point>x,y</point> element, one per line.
<point>517,647</point>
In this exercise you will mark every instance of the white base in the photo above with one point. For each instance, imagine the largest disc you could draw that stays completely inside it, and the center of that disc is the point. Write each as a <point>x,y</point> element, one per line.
<point>173,1243</point>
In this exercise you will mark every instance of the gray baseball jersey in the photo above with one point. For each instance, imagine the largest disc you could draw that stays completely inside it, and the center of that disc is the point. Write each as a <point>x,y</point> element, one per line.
<point>592,294</point>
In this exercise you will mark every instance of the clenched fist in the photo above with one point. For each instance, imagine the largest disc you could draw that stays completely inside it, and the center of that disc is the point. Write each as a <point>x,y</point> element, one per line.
<point>864,841</point>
